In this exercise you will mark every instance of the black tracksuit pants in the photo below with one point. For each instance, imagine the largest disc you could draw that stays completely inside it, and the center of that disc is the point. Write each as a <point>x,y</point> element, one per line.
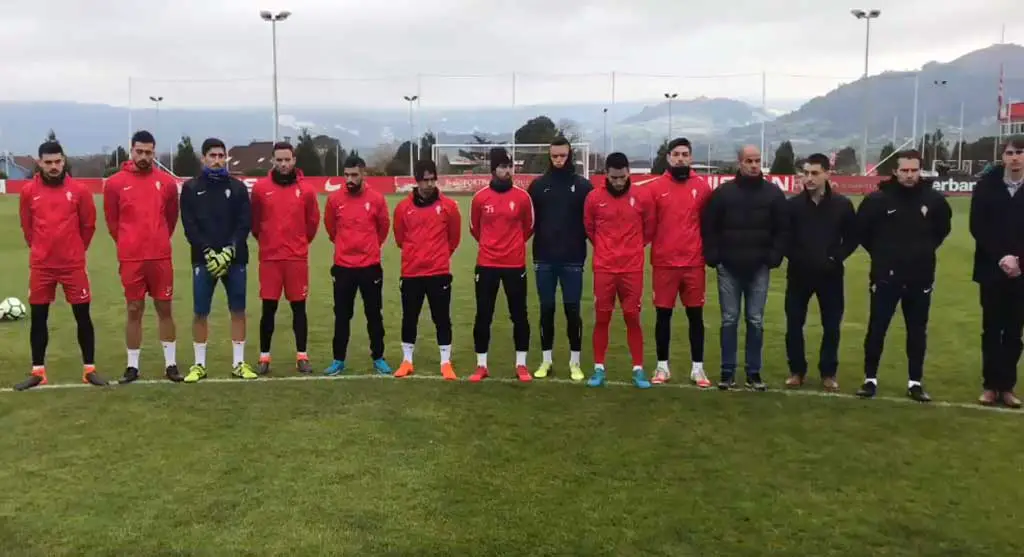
<point>369,283</point>
<point>1002,324</point>
<point>488,281</point>
<point>916,301</point>
<point>437,290</point>
<point>831,304</point>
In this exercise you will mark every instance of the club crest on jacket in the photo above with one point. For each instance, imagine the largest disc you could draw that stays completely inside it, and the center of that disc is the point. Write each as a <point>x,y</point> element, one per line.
<point>924,211</point>
<point>512,205</point>
<point>158,185</point>
<point>367,206</point>
<point>227,194</point>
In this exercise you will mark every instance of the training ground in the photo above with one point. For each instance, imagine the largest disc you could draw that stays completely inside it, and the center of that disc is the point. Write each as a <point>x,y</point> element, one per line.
<point>378,466</point>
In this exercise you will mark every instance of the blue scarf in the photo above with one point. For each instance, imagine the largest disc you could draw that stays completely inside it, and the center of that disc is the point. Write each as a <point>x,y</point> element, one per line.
<point>218,175</point>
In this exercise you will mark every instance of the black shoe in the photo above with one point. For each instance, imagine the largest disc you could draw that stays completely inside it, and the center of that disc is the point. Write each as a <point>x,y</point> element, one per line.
<point>726,383</point>
<point>30,382</point>
<point>917,393</point>
<point>754,383</point>
<point>173,374</point>
<point>867,390</point>
<point>130,375</point>
<point>94,379</point>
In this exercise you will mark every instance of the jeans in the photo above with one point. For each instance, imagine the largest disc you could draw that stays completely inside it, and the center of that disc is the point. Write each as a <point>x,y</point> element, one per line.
<point>752,291</point>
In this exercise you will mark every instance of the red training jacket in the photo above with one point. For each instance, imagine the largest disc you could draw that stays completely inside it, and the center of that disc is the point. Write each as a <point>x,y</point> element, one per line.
<point>427,236</point>
<point>619,228</point>
<point>141,209</point>
<point>284,219</point>
<point>501,223</point>
<point>677,209</point>
<point>358,225</point>
<point>58,222</point>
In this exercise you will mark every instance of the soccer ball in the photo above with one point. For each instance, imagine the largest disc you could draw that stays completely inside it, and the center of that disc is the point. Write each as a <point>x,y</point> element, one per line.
<point>11,309</point>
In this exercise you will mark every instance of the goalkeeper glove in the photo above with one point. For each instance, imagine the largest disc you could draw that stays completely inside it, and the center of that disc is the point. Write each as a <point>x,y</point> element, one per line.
<point>229,252</point>
<point>211,263</point>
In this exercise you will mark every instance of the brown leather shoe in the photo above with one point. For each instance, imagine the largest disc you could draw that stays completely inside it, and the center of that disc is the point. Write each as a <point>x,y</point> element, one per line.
<point>988,398</point>
<point>1011,400</point>
<point>794,382</point>
<point>830,385</point>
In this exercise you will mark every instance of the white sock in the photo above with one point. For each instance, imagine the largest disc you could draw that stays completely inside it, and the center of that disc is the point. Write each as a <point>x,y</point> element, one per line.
<point>407,350</point>
<point>520,359</point>
<point>481,360</point>
<point>446,354</point>
<point>598,367</point>
<point>574,358</point>
<point>638,368</point>
<point>697,367</point>
<point>170,353</point>
<point>872,380</point>
<point>547,357</point>
<point>133,357</point>
<point>264,356</point>
<point>200,351</point>
<point>663,365</point>
<point>237,352</point>
<point>913,384</point>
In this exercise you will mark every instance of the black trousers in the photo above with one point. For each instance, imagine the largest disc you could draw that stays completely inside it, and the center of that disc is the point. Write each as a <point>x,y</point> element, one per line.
<point>437,290</point>
<point>831,304</point>
<point>916,300</point>
<point>488,281</point>
<point>369,283</point>
<point>1002,324</point>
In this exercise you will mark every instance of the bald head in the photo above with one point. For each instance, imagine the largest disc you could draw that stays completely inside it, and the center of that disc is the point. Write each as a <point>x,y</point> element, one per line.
<point>750,160</point>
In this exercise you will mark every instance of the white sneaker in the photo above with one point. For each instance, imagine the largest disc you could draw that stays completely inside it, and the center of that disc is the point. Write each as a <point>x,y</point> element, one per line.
<point>698,377</point>
<point>661,375</point>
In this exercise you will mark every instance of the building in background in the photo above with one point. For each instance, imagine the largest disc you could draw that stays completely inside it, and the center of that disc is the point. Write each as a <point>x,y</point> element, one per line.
<point>1013,120</point>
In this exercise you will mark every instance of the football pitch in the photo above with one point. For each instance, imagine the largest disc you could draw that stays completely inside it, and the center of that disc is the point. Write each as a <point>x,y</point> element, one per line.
<point>378,466</point>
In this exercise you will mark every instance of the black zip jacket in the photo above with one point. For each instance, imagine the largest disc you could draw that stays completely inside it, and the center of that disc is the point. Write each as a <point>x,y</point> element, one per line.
<point>822,235</point>
<point>558,234</point>
<point>997,225</point>
<point>745,225</point>
<point>902,228</point>
<point>215,214</point>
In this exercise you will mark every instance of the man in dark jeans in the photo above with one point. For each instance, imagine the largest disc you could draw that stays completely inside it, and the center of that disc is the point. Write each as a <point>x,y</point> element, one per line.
<point>745,228</point>
<point>559,251</point>
<point>997,225</point>
<point>901,226</point>
<point>822,236</point>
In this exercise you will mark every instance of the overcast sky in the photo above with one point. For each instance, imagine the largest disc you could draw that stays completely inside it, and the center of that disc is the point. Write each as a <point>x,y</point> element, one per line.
<point>218,52</point>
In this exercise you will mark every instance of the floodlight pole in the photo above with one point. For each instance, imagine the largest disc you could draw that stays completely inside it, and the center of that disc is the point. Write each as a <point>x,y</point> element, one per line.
<point>273,19</point>
<point>867,16</point>
<point>670,97</point>
<point>412,131</point>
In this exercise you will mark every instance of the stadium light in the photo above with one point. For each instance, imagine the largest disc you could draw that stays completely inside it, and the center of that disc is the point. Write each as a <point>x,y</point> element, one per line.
<point>867,16</point>
<point>412,130</point>
<point>670,97</point>
<point>273,18</point>
<point>156,101</point>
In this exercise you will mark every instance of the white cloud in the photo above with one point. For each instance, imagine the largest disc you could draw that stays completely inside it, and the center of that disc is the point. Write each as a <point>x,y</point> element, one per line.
<point>358,53</point>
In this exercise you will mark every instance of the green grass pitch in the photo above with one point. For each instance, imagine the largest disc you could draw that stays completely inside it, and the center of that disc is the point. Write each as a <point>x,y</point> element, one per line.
<point>420,467</point>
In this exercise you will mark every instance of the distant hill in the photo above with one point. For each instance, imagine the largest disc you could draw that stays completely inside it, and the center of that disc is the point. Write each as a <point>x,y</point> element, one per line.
<point>836,119</point>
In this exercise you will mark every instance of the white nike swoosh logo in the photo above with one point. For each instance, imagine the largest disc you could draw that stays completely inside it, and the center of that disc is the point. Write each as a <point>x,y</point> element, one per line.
<point>200,192</point>
<point>891,211</point>
<point>128,188</point>
<point>664,194</point>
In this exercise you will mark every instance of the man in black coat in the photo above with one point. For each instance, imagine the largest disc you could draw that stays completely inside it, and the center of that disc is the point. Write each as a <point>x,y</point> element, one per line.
<point>745,231</point>
<point>822,236</point>
<point>901,226</point>
<point>997,225</point>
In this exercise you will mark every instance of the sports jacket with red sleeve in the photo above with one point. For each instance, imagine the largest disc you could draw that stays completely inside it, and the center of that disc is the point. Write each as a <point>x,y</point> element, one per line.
<point>285,218</point>
<point>58,222</point>
<point>619,225</point>
<point>501,222</point>
<point>141,210</point>
<point>677,209</point>
<point>428,232</point>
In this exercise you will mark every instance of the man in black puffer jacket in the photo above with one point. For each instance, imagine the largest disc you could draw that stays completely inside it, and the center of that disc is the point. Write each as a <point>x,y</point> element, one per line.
<point>901,226</point>
<point>559,251</point>
<point>745,228</point>
<point>997,225</point>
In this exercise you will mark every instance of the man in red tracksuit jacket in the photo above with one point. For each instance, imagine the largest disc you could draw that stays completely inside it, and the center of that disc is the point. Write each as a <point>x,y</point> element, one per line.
<point>58,219</point>
<point>140,204</point>
<point>677,257</point>
<point>285,218</point>
<point>501,221</point>
<point>357,221</point>
<point>619,221</point>
<point>428,229</point>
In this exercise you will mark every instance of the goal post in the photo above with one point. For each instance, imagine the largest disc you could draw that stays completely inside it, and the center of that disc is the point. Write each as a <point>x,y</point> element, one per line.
<point>474,158</point>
